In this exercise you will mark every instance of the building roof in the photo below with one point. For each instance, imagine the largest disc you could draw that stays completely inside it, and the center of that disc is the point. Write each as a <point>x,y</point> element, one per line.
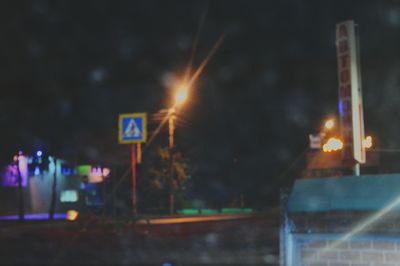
<point>346,193</point>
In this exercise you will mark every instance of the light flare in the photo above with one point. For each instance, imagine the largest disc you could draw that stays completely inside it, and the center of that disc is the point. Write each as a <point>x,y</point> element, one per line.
<point>181,95</point>
<point>72,215</point>
<point>363,225</point>
<point>329,124</point>
<point>367,142</point>
<point>188,84</point>
<point>333,144</point>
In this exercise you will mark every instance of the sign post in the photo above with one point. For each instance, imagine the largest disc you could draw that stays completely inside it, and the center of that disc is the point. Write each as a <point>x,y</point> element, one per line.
<point>132,129</point>
<point>134,162</point>
<point>350,96</point>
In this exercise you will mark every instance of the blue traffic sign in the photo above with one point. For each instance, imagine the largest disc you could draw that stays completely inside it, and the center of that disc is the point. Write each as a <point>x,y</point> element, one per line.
<point>132,128</point>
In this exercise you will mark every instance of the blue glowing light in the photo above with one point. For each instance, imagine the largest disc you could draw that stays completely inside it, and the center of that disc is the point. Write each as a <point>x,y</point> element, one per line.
<point>82,186</point>
<point>341,108</point>
<point>10,175</point>
<point>39,153</point>
<point>37,171</point>
<point>36,216</point>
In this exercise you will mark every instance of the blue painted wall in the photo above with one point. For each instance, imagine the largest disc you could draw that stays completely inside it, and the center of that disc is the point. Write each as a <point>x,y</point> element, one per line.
<point>347,193</point>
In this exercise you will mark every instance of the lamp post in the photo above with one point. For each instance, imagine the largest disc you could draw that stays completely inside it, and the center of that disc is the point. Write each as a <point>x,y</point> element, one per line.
<point>171,127</point>
<point>180,98</point>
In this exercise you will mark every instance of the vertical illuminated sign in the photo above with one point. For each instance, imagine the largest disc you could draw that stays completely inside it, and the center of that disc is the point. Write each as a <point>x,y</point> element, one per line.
<point>350,97</point>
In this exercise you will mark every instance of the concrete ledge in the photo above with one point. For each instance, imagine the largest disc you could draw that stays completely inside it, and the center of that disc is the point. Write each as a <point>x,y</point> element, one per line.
<point>345,222</point>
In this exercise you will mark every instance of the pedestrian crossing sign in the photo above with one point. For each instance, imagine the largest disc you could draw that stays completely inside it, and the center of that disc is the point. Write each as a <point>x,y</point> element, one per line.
<point>132,128</point>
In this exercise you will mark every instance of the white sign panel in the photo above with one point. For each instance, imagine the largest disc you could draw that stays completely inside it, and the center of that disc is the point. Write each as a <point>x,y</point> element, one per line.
<point>350,97</point>
<point>315,141</point>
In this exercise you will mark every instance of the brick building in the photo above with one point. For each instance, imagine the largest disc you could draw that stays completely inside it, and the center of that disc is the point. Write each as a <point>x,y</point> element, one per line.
<point>350,220</point>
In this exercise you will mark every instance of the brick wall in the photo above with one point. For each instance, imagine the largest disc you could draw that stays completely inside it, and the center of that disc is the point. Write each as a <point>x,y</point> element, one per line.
<point>363,210</point>
<point>369,251</point>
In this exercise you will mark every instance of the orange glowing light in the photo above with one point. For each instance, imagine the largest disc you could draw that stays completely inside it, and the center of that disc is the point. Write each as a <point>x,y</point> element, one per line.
<point>106,172</point>
<point>72,215</point>
<point>367,142</point>
<point>333,144</point>
<point>329,124</point>
<point>181,95</point>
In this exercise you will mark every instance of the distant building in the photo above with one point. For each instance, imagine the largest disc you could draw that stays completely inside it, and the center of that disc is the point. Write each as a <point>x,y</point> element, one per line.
<point>77,188</point>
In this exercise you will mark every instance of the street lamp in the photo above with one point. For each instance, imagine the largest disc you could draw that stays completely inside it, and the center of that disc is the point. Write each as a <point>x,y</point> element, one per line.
<point>329,124</point>
<point>180,97</point>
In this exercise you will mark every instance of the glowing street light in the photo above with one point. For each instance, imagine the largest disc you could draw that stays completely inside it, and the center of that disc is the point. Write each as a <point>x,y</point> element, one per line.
<point>181,95</point>
<point>329,124</point>
<point>367,142</point>
<point>333,144</point>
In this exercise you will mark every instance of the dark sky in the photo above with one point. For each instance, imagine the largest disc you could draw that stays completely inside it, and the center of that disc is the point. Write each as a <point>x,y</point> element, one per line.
<point>68,68</point>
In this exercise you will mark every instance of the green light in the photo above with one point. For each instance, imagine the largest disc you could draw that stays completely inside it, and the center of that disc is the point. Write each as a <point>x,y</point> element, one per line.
<point>236,210</point>
<point>83,169</point>
<point>209,211</point>
<point>188,211</point>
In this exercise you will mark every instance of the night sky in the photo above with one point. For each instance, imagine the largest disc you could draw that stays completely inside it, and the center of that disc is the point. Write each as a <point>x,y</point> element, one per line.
<point>68,68</point>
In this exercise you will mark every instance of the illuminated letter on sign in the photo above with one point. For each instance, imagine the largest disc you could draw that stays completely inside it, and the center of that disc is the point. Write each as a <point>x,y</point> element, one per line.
<point>350,99</point>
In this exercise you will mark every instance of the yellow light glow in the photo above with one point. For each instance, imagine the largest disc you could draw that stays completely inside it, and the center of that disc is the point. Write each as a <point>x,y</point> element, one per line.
<point>72,215</point>
<point>181,95</point>
<point>329,124</point>
<point>106,172</point>
<point>367,142</point>
<point>333,144</point>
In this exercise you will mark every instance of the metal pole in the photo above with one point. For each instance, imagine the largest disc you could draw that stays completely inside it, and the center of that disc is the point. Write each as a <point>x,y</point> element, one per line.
<point>53,192</point>
<point>283,221</point>
<point>20,192</point>
<point>134,202</point>
<point>171,127</point>
<point>139,153</point>
<point>357,169</point>
<point>171,169</point>
<point>113,181</point>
